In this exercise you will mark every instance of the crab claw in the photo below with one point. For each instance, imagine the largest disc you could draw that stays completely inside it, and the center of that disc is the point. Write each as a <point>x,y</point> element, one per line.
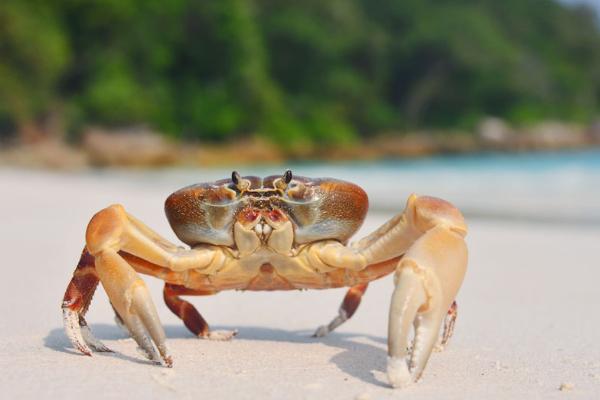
<point>143,325</point>
<point>427,280</point>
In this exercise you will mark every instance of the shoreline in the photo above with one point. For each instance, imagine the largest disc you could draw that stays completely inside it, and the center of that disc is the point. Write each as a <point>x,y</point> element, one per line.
<point>141,148</point>
<point>60,156</point>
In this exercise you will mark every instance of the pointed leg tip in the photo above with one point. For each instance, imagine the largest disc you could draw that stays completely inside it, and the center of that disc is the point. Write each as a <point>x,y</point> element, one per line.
<point>321,332</point>
<point>84,351</point>
<point>92,342</point>
<point>81,347</point>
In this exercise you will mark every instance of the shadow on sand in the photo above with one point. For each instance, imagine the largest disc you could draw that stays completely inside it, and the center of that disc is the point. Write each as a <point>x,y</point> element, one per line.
<point>358,358</point>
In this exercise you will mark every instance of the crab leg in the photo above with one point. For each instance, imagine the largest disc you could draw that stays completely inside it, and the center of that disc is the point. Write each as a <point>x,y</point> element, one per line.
<point>347,309</point>
<point>76,302</point>
<point>110,236</point>
<point>392,239</point>
<point>185,310</point>
<point>189,315</point>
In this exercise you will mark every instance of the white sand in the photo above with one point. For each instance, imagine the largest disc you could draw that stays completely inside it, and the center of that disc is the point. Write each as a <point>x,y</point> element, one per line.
<point>529,316</point>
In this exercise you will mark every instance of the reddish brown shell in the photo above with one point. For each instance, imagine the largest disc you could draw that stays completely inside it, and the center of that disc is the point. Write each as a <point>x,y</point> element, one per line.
<point>319,208</point>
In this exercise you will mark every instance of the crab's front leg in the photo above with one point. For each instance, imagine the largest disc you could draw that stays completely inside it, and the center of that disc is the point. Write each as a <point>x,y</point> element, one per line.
<point>112,234</point>
<point>428,240</point>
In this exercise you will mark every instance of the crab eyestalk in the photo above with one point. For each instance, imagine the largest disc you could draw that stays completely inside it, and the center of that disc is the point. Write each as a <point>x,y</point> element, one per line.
<point>287,176</point>
<point>241,183</point>
<point>282,183</point>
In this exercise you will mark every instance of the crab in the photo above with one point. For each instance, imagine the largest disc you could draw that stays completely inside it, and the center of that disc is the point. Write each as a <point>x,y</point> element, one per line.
<point>274,233</point>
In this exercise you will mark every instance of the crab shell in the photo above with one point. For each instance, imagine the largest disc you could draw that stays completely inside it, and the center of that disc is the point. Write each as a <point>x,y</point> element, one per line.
<point>319,209</point>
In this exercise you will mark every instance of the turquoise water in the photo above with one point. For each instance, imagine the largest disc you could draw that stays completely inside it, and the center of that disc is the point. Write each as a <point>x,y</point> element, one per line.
<point>562,186</point>
<point>525,164</point>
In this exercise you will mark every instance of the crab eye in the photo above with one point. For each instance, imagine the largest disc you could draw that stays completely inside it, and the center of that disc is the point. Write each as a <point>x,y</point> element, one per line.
<point>287,176</point>
<point>236,178</point>
<point>282,183</point>
<point>240,183</point>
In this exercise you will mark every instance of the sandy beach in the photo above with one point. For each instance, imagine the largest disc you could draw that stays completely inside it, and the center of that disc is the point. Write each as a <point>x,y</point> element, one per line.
<point>528,324</point>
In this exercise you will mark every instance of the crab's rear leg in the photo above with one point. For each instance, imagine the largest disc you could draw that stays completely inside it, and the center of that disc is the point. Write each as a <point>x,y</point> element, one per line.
<point>347,309</point>
<point>189,315</point>
<point>76,302</point>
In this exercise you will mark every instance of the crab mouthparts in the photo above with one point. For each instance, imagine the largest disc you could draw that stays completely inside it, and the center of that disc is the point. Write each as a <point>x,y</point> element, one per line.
<point>263,230</point>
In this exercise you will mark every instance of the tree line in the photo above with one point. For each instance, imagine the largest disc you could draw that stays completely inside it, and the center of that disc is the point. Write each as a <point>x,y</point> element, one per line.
<point>295,72</point>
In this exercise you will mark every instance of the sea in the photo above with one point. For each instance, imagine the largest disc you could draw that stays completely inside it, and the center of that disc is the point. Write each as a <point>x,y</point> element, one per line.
<point>556,187</point>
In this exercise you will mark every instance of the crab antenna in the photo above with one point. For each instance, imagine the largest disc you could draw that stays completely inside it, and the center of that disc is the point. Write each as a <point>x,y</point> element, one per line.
<point>287,176</point>
<point>236,178</point>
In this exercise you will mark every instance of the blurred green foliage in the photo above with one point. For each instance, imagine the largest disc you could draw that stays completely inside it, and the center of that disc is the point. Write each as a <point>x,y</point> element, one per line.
<point>299,73</point>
